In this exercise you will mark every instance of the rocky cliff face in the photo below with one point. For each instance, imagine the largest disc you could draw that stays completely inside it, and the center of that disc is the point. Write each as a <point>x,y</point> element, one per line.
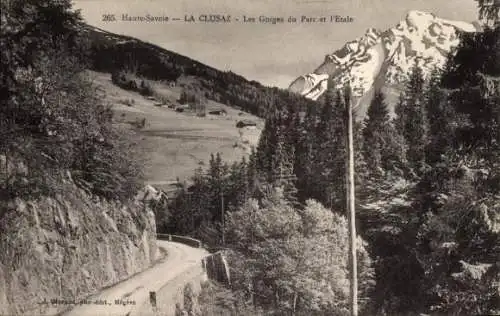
<point>68,247</point>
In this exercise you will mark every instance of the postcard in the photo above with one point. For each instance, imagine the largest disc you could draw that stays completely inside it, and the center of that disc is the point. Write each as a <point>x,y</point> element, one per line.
<point>250,157</point>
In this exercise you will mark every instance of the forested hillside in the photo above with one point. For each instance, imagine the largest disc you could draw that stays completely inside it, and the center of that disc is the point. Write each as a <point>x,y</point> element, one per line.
<point>111,53</point>
<point>53,120</point>
<point>428,199</point>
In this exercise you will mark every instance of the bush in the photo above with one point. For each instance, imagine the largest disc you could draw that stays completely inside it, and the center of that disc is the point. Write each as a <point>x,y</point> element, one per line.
<point>131,85</point>
<point>214,299</point>
<point>190,300</point>
<point>127,102</point>
<point>146,89</point>
<point>139,123</point>
<point>126,80</point>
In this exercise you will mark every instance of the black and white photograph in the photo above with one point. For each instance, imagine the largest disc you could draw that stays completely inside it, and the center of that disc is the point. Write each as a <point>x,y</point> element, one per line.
<point>249,157</point>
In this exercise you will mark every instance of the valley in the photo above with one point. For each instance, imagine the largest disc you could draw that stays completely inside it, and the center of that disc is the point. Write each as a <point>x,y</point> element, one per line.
<point>177,143</point>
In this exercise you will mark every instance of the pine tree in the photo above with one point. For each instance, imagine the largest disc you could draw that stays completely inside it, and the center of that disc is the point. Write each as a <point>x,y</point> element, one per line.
<point>236,185</point>
<point>243,181</point>
<point>401,112</point>
<point>190,205</point>
<point>339,156</point>
<point>374,133</point>
<point>305,157</point>
<point>252,174</point>
<point>283,156</point>
<point>440,115</point>
<point>489,11</point>
<point>457,239</point>
<point>217,182</point>
<point>267,145</point>
<point>330,164</point>
<point>199,193</point>
<point>415,124</point>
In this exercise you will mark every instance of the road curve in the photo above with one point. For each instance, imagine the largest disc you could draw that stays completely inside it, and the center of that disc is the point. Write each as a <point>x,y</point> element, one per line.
<point>180,259</point>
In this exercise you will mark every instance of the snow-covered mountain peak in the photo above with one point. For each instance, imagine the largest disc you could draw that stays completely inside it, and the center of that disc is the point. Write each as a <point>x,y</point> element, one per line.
<point>418,19</point>
<point>384,58</point>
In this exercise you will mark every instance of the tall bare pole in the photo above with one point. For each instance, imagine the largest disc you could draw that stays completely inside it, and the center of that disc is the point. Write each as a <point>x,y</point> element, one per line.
<point>223,223</point>
<point>351,206</point>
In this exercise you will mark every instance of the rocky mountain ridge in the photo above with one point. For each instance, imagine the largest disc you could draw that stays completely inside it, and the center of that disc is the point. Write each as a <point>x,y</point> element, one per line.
<point>382,59</point>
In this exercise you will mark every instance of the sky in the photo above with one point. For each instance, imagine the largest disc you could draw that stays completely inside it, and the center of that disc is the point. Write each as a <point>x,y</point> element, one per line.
<point>273,54</point>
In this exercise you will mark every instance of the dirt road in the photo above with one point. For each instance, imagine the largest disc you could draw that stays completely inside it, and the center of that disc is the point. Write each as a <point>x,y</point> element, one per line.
<point>127,297</point>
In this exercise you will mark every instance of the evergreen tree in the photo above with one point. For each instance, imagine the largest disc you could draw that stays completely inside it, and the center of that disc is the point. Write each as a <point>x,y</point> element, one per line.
<point>415,120</point>
<point>374,134</point>
<point>441,115</point>
<point>457,237</point>
<point>281,173</point>
<point>190,206</point>
<point>476,66</point>
<point>267,146</point>
<point>252,174</point>
<point>489,11</point>
<point>217,182</point>
<point>362,172</point>
<point>401,112</point>
<point>305,158</point>
<point>239,182</point>
<point>330,161</point>
<point>276,151</point>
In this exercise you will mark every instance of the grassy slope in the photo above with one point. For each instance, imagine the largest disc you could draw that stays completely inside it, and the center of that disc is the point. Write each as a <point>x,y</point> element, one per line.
<point>177,143</point>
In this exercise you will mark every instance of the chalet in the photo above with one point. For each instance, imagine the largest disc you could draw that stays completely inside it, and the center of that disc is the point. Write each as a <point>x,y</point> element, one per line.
<point>246,123</point>
<point>182,108</point>
<point>220,112</point>
<point>152,194</point>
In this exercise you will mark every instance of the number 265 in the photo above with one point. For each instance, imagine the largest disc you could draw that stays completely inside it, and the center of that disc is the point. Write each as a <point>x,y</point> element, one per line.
<point>108,18</point>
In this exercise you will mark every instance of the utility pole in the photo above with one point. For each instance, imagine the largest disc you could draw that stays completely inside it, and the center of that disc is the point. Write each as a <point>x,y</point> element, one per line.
<point>222,211</point>
<point>351,205</point>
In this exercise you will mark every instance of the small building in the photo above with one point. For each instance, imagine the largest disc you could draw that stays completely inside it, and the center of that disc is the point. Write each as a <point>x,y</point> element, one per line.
<point>246,123</point>
<point>220,112</point>
<point>182,108</point>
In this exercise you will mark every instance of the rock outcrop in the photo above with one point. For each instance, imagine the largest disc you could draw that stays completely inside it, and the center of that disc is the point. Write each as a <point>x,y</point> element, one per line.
<point>68,247</point>
<point>217,268</point>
